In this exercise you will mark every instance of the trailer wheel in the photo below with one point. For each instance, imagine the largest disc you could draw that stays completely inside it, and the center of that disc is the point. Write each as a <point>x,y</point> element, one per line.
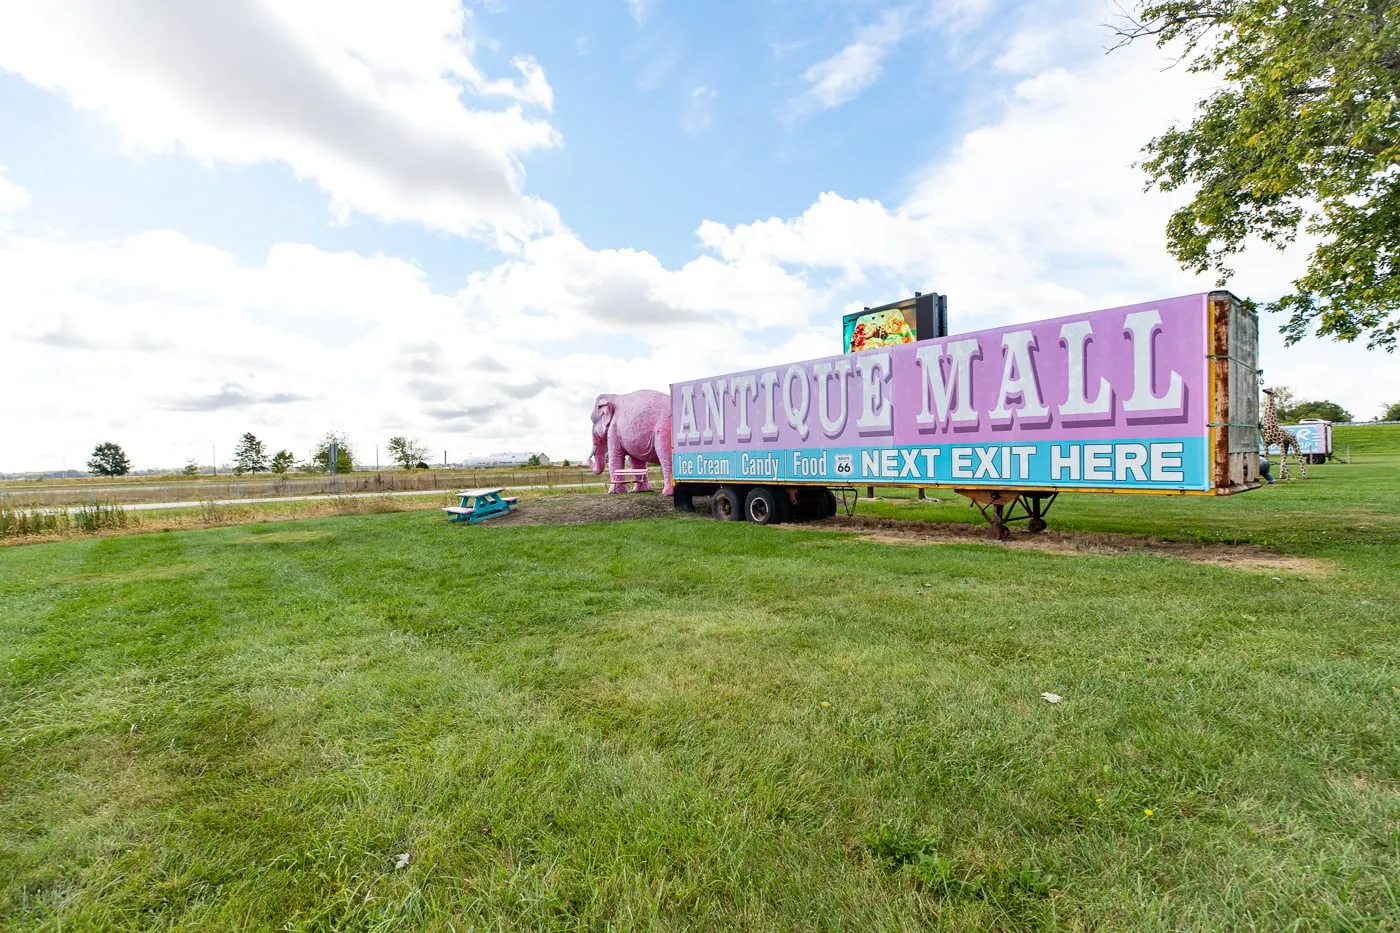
<point>828,503</point>
<point>787,510</point>
<point>761,507</point>
<point>725,505</point>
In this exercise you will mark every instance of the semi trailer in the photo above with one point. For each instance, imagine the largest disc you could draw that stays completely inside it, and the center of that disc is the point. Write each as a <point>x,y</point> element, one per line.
<point>1157,398</point>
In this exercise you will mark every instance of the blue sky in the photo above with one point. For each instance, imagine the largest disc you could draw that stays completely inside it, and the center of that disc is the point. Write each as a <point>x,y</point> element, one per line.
<point>700,120</point>
<point>461,223</point>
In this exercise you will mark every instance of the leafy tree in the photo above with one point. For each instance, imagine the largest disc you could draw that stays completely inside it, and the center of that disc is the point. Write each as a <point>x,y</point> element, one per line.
<point>533,461</point>
<point>190,469</point>
<point>321,455</point>
<point>108,459</point>
<point>1328,411</point>
<point>282,461</point>
<point>1392,412</point>
<point>406,453</point>
<point>250,456</point>
<point>1303,133</point>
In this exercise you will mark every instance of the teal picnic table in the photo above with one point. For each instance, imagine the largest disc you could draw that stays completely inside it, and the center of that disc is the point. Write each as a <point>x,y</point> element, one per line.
<point>477,505</point>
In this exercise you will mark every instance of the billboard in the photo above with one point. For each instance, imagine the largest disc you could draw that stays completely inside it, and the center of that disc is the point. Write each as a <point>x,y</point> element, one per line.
<point>922,317</point>
<point>1118,399</point>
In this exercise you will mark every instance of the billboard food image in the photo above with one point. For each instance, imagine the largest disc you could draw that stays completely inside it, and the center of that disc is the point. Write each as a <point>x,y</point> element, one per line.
<point>1119,399</point>
<point>871,329</point>
<point>922,317</point>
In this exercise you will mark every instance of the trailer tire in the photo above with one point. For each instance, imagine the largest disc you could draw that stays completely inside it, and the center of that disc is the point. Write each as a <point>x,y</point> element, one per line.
<point>761,507</point>
<point>726,505</point>
<point>787,511</point>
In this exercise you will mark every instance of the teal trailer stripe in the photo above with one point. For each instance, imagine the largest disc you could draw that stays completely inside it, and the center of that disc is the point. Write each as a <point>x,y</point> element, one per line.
<point>1171,463</point>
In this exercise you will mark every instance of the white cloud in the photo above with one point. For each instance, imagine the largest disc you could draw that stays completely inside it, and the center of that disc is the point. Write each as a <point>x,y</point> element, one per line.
<point>169,346</point>
<point>834,81</point>
<point>699,110</point>
<point>12,196</point>
<point>569,291</point>
<point>363,98</point>
<point>640,8</point>
<point>957,18</point>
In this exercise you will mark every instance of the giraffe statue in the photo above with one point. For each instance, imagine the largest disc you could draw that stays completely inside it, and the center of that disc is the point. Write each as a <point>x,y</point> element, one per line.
<point>1273,434</point>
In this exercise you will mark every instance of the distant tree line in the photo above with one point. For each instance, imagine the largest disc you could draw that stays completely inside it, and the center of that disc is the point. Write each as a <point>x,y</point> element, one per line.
<point>250,456</point>
<point>1291,409</point>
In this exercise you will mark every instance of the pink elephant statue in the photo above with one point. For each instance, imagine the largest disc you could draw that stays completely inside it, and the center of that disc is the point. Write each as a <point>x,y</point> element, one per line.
<point>636,425</point>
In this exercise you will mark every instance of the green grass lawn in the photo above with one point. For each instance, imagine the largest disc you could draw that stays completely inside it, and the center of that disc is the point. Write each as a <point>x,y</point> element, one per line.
<point>681,724</point>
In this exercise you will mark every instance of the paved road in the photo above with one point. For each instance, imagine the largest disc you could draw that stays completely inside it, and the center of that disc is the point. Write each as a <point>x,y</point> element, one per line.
<point>155,506</point>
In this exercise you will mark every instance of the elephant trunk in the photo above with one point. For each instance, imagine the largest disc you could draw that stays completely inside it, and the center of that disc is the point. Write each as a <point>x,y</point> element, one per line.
<point>600,453</point>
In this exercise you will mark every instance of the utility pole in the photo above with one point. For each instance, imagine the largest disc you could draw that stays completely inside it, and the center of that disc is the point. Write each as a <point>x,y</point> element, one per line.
<point>214,456</point>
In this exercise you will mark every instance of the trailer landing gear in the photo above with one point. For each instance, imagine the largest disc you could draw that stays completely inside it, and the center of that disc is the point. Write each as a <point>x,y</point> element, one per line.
<point>998,507</point>
<point>847,501</point>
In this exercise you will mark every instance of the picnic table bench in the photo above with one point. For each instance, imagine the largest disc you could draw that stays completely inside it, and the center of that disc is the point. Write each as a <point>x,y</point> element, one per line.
<point>636,476</point>
<point>477,505</point>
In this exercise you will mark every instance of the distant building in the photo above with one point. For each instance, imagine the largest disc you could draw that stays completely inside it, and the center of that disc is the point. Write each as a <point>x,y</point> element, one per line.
<point>507,459</point>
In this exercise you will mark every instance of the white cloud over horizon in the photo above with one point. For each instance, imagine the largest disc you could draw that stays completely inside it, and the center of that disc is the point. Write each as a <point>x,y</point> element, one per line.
<point>169,346</point>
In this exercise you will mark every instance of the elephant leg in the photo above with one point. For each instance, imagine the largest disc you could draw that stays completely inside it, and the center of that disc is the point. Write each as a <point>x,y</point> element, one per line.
<point>642,484</point>
<point>661,443</point>
<point>617,460</point>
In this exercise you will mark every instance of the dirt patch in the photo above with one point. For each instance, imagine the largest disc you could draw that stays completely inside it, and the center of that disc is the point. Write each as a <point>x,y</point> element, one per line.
<point>1237,556</point>
<point>582,509</point>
